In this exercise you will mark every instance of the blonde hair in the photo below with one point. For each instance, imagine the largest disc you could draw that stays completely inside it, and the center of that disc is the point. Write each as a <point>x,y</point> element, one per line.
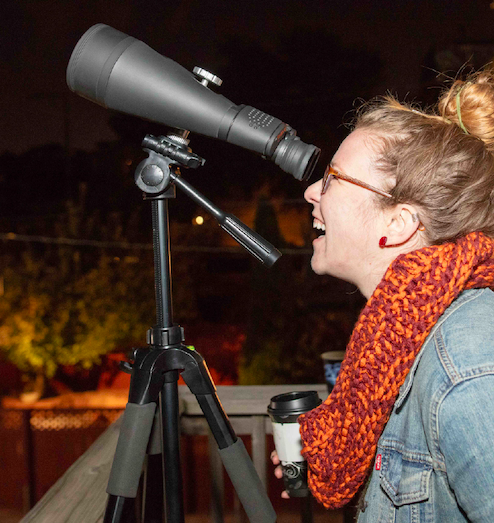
<point>440,160</point>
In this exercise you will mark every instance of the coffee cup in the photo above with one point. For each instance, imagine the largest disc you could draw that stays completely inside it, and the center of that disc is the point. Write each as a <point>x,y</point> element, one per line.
<point>284,410</point>
<point>332,363</point>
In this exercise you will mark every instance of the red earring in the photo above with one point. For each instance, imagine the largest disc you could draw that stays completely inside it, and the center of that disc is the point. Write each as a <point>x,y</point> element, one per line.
<point>382,242</point>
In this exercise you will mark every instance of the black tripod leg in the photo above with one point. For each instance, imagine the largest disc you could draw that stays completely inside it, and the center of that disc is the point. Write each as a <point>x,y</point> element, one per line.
<point>163,474</point>
<point>152,498</point>
<point>170,416</point>
<point>165,364</point>
<point>153,486</point>
<point>120,509</point>
<point>238,464</point>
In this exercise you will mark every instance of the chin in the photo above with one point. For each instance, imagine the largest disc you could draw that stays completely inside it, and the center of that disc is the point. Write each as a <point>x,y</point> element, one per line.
<point>321,268</point>
<point>316,267</point>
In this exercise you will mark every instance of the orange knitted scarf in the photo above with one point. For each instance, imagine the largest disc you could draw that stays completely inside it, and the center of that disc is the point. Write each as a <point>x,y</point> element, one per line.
<point>341,435</point>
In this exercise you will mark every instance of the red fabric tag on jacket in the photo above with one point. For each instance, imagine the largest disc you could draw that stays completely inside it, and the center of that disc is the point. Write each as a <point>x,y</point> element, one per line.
<point>378,462</point>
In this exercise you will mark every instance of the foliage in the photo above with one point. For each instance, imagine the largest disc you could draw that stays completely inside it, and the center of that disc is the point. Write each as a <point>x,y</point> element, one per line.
<point>70,304</point>
<point>51,315</point>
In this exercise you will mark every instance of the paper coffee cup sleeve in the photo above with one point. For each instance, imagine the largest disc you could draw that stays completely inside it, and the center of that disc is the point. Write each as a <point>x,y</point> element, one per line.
<point>287,441</point>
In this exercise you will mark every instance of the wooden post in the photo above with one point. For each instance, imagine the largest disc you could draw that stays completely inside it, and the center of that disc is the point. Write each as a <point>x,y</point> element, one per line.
<point>30,497</point>
<point>259,447</point>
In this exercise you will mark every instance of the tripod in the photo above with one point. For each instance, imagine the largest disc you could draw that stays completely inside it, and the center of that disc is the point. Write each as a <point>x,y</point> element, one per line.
<point>150,422</point>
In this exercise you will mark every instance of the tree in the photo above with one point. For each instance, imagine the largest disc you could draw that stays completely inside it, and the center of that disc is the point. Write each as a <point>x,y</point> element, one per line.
<point>70,304</point>
<point>51,315</point>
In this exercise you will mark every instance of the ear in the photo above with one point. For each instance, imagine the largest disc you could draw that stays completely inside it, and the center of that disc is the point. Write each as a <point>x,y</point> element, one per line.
<point>402,223</point>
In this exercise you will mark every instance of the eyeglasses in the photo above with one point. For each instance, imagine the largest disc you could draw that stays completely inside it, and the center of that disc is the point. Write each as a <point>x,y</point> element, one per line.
<point>331,173</point>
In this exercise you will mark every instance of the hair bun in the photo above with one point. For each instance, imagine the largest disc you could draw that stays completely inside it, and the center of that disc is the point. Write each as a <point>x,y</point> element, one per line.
<point>470,105</point>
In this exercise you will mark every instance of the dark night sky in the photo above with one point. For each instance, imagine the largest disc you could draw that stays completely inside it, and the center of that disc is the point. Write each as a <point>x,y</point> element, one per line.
<point>38,36</point>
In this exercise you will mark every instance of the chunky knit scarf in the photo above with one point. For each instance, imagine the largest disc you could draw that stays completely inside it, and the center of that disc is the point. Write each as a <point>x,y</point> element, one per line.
<point>341,435</point>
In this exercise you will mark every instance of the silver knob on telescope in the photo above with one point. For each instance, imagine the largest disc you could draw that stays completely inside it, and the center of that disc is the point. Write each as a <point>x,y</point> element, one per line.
<point>179,138</point>
<point>206,76</point>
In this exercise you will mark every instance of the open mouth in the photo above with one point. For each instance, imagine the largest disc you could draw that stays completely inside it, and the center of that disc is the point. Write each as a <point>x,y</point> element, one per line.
<point>319,226</point>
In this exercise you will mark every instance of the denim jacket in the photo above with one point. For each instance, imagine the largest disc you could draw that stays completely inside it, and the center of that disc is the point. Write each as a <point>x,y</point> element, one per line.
<point>435,457</point>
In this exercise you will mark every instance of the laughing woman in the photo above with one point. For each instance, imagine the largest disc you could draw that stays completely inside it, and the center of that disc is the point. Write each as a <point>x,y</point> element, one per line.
<point>407,209</point>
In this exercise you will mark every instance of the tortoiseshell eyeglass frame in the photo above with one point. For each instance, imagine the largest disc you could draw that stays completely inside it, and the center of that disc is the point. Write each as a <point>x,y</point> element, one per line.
<point>330,172</point>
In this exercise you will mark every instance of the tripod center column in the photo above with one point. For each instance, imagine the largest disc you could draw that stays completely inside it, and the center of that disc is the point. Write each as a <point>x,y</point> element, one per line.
<point>162,262</point>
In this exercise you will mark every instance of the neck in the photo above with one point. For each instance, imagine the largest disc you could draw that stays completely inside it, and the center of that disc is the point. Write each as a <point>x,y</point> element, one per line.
<point>381,262</point>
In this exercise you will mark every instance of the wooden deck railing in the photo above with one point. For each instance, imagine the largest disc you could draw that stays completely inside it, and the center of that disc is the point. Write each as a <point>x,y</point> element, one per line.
<point>79,495</point>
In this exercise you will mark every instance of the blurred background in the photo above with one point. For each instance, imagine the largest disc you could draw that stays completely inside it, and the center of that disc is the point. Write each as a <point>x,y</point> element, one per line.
<point>76,262</point>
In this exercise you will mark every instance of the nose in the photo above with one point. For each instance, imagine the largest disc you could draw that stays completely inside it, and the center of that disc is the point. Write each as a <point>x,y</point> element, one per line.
<point>313,193</point>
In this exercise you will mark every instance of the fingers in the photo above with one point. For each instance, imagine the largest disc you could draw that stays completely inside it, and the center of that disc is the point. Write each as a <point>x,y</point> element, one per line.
<point>278,472</point>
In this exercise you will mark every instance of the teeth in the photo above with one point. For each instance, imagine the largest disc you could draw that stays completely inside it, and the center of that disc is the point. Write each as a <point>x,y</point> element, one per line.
<point>319,225</point>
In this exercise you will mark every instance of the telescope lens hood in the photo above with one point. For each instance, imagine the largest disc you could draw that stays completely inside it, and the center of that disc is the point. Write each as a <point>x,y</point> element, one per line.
<point>93,59</point>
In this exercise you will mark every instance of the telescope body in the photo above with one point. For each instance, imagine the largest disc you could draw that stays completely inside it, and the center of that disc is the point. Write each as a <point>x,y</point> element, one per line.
<point>122,73</point>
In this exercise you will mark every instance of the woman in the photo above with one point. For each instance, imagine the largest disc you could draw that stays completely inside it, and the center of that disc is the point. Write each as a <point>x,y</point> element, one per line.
<point>406,208</point>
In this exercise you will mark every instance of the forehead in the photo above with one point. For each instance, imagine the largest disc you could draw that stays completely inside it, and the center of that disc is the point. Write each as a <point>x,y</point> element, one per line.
<point>356,155</point>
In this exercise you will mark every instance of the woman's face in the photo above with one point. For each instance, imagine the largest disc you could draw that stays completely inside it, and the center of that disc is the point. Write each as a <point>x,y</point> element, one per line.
<point>347,215</point>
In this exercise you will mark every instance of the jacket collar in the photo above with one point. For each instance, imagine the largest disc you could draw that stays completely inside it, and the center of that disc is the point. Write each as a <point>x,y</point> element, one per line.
<point>463,298</point>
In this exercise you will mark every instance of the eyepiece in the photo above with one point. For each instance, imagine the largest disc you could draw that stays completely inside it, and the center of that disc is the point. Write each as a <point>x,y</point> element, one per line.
<point>296,157</point>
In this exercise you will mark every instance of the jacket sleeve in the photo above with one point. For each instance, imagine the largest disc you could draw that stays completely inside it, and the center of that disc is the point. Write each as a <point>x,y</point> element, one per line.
<point>466,440</point>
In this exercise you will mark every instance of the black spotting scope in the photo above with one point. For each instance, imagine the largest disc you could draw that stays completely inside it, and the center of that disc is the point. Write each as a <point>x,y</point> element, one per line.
<point>120,72</point>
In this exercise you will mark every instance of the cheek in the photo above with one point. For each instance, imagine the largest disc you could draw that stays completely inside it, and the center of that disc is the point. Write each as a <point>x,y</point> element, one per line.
<point>343,216</point>
<point>366,230</point>
<point>351,226</point>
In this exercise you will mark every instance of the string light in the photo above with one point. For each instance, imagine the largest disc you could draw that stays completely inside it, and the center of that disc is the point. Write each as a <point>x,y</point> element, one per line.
<point>25,238</point>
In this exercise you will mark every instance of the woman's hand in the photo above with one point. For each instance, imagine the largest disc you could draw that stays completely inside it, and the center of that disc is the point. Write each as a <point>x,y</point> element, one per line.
<point>278,472</point>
